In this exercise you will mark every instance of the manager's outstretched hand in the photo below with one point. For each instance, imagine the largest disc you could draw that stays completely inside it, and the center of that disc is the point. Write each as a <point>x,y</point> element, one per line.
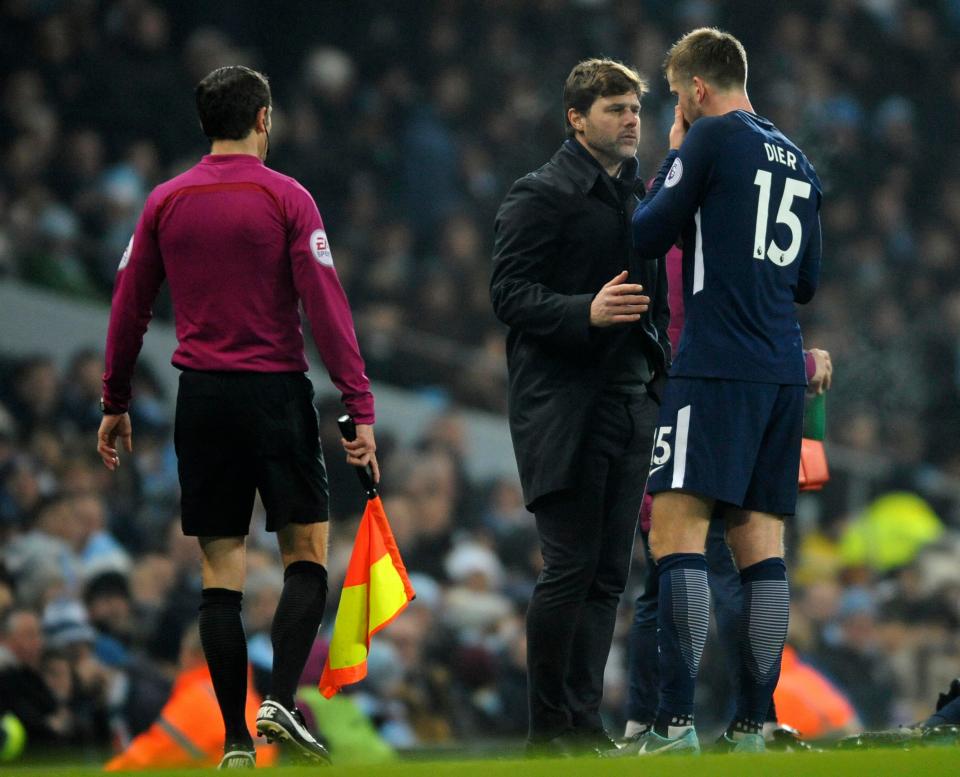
<point>363,450</point>
<point>112,427</point>
<point>618,302</point>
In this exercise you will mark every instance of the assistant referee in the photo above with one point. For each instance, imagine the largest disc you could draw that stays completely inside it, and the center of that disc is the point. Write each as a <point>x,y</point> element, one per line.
<point>242,246</point>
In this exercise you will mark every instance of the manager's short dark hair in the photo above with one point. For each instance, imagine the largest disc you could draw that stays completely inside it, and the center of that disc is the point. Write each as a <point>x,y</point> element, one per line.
<point>228,100</point>
<point>595,78</point>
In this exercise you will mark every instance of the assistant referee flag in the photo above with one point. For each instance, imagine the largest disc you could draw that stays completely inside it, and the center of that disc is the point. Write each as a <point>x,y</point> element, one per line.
<point>375,591</point>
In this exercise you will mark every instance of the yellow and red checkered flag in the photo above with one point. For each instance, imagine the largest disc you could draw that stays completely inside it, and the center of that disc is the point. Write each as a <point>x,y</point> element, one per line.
<point>375,591</point>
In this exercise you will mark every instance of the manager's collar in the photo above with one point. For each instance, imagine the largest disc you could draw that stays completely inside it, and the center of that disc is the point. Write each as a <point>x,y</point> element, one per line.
<point>586,169</point>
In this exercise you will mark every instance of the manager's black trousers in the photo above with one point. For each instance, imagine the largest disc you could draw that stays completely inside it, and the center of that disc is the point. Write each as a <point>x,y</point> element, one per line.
<point>586,537</point>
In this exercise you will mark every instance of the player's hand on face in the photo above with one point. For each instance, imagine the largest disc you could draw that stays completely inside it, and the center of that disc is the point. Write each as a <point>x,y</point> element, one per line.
<point>618,302</point>
<point>363,450</point>
<point>111,428</point>
<point>679,129</point>
<point>823,374</point>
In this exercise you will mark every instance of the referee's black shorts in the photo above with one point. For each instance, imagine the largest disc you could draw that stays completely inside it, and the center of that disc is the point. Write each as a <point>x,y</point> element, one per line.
<point>241,432</point>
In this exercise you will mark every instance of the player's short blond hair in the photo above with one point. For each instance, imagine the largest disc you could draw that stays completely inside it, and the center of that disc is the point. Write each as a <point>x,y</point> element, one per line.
<point>715,56</point>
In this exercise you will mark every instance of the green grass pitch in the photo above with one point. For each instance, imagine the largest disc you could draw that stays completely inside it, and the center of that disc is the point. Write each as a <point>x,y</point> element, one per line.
<point>930,761</point>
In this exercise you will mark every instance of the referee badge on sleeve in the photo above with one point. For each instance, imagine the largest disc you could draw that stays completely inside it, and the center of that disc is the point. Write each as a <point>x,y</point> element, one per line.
<point>125,259</point>
<point>320,247</point>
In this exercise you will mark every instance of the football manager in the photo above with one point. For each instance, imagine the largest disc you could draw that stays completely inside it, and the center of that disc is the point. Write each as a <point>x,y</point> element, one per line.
<point>587,351</point>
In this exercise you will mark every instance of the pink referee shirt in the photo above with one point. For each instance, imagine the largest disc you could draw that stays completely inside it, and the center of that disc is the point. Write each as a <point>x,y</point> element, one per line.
<point>241,246</point>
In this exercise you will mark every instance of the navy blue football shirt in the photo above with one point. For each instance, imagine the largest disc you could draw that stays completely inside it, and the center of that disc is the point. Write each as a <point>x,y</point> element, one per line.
<point>746,204</point>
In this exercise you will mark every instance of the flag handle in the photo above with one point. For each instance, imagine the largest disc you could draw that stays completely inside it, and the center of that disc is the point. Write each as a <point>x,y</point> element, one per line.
<point>349,431</point>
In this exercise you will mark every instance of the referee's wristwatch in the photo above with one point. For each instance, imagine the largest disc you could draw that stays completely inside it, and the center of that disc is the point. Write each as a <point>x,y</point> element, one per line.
<point>109,409</point>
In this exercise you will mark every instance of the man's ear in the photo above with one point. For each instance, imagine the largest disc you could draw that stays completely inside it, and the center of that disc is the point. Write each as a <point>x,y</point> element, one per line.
<point>575,118</point>
<point>261,125</point>
<point>701,89</point>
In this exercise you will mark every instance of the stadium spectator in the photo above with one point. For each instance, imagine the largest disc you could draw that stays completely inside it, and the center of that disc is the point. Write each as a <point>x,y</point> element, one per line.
<point>24,691</point>
<point>852,657</point>
<point>189,730</point>
<point>107,598</point>
<point>76,673</point>
<point>80,406</point>
<point>33,400</point>
<point>809,703</point>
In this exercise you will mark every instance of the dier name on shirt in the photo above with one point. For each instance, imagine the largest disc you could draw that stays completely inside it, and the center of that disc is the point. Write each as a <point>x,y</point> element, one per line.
<point>778,154</point>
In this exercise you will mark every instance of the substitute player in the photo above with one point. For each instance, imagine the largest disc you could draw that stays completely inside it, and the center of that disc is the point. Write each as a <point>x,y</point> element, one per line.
<point>746,202</point>
<point>242,246</point>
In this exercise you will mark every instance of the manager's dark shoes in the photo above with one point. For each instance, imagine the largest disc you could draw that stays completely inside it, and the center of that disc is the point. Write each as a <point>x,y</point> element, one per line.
<point>276,722</point>
<point>595,742</point>
<point>558,747</point>
<point>571,745</point>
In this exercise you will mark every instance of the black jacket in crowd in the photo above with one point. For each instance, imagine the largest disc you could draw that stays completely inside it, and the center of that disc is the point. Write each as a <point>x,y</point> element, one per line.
<point>561,233</point>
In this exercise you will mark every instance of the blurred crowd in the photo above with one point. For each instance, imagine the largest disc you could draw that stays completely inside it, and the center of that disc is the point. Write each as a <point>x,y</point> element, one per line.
<point>99,588</point>
<point>408,122</point>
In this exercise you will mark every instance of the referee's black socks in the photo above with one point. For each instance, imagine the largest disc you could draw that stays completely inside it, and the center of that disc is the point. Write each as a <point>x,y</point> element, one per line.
<point>295,626</point>
<point>225,647</point>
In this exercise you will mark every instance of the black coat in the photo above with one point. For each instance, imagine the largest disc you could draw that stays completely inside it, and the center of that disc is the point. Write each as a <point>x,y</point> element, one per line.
<point>561,233</point>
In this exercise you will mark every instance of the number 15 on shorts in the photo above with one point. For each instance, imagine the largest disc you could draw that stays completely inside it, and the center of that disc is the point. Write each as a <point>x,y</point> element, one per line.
<point>667,446</point>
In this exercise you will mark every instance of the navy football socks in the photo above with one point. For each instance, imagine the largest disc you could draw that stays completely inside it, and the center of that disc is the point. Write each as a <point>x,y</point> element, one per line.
<point>683,618</point>
<point>763,632</point>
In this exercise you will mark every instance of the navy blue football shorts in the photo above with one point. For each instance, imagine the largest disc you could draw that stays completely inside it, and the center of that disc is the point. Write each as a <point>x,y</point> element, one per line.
<point>735,441</point>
